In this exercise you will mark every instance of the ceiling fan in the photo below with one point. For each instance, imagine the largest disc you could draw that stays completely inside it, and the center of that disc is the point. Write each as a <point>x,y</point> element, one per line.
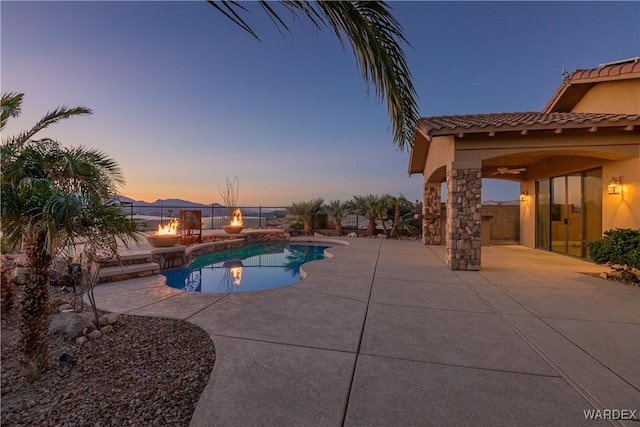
<point>505,170</point>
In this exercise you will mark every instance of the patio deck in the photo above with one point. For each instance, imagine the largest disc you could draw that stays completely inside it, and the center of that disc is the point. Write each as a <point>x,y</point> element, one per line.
<point>383,333</point>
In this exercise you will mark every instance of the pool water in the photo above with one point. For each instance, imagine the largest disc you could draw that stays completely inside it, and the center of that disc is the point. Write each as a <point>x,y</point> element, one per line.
<point>254,267</point>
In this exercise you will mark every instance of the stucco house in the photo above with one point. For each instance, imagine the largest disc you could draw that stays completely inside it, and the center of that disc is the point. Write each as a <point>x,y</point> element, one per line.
<point>577,161</point>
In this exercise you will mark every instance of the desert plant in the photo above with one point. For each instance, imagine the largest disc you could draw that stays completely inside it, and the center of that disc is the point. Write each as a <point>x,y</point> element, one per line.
<point>368,207</point>
<point>305,212</point>
<point>381,209</point>
<point>337,211</point>
<point>230,194</point>
<point>53,197</point>
<point>400,207</point>
<point>620,250</point>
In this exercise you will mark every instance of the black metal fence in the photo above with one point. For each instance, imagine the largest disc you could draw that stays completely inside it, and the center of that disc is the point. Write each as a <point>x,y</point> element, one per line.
<point>149,217</point>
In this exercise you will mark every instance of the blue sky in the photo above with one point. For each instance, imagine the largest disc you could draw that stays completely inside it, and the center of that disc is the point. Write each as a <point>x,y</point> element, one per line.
<point>183,98</point>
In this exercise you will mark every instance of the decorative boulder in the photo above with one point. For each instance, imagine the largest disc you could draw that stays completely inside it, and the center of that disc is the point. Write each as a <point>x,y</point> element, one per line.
<point>109,319</point>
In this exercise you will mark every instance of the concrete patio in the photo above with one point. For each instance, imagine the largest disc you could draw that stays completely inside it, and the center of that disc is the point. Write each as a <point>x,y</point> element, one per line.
<point>384,334</point>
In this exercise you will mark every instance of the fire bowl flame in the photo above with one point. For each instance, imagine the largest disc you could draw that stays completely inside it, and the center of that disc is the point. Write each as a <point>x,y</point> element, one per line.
<point>235,226</point>
<point>162,240</point>
<point>232,229</point>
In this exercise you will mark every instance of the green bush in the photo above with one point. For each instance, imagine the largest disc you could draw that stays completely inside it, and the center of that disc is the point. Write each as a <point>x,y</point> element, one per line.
<point>619,249</point>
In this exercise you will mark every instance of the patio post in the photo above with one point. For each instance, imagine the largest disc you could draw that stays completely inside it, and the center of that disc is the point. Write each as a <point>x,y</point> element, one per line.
<point>431,216</point>
<point>464,188</point>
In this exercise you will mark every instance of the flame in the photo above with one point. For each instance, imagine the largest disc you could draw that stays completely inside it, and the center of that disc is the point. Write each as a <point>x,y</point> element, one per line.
<point>236,273</point>
<point>169,229</point>
<point>236,218</point>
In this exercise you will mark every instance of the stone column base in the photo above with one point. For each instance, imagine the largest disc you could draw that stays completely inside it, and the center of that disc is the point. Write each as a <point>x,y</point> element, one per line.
<point>463,227</point>
<point>431,219</point>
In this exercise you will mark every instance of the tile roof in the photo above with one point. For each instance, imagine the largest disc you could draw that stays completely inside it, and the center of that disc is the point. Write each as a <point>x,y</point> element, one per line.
<point>606,71</point>
<point>502,122</point>
<point>578,83</point>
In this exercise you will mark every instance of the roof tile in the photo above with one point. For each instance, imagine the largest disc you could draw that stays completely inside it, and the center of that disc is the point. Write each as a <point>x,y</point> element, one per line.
<point>446,125</point>
<point>633,66</point>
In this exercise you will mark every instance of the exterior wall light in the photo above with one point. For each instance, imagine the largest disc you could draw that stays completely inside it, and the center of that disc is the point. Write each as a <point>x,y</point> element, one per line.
<point>523,196</point>
<point>614,185</point>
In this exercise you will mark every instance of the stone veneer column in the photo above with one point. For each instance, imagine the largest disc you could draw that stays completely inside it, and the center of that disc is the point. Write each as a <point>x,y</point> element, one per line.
<point>431,217</point>
<point>464,187</point>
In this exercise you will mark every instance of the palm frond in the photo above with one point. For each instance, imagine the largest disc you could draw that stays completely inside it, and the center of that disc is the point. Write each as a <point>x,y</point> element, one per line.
<point>230,9</point>
<point>10,106</point>
<point>375,37</point>
<point>50,118</point>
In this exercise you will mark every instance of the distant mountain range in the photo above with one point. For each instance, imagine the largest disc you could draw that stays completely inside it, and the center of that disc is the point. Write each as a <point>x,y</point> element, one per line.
<point>179,203</point>
<point>170,207</point>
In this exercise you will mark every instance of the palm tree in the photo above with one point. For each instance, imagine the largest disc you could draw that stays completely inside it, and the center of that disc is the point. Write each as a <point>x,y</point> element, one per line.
<point>306,212</point>
<point>53,197</point>
<point>401,206</point>
<point>368,207</point>
<point>375,37</point>
<point>337,211</point>
<point>381,208</point>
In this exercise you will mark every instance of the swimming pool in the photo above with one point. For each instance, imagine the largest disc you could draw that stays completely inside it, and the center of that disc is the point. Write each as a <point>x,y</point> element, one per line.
<point>254,267</point>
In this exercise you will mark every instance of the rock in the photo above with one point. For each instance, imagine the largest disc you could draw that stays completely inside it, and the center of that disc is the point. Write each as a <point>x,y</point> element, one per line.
<point>67,358</point>
<point>65,307</point>
<point>352,234</point>
<point>108,329</point>
<point>78,325</point>
<point>60,273</point>
<point>109,319</point>
<point>604,275</point>
<point>81,340</point>
<point>94,335</point>
<point>58,324</point>
<point>381,236</point>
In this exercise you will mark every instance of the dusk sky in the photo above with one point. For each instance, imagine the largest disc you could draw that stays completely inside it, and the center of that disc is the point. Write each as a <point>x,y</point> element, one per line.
<point>183,98</point>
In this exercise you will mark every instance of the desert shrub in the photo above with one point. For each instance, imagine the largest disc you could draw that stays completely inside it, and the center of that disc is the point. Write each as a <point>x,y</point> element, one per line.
<point>619,249</point>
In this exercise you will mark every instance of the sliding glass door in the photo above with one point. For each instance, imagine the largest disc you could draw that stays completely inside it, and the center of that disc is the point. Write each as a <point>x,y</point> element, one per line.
<point>543,210</point>
<point>569,212</point>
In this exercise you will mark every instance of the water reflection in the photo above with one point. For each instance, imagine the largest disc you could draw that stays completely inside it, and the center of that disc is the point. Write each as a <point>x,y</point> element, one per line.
<point>232,274</point>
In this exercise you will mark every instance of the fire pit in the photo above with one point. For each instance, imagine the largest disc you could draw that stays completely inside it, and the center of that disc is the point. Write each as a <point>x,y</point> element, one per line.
<point>235,226</point>
<point>164,237</point>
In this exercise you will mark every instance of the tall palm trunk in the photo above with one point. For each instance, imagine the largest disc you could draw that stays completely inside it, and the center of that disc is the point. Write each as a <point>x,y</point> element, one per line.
<point>308,226</point>
<point>396,219</point>
<point>371,228</point>
<point>384,226</point>
<point>34,317</point>
<point>339,228</point>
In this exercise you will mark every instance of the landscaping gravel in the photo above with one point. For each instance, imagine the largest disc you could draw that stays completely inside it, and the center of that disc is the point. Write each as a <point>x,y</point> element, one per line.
<point>143,372</point>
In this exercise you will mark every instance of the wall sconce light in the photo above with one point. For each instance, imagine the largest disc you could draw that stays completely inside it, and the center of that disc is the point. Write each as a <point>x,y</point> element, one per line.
<point>523,196</point>
<point>614,185</point>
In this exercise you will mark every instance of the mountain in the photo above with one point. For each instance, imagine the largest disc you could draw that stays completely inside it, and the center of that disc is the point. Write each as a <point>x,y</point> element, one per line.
<point>177,203</point>
<point>171,207</point>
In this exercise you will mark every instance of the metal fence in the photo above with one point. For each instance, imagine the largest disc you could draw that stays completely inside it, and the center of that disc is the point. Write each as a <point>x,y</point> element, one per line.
<point>148,217</point>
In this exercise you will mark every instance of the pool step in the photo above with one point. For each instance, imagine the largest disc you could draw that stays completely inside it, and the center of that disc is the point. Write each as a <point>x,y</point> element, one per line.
<point>130,271</point>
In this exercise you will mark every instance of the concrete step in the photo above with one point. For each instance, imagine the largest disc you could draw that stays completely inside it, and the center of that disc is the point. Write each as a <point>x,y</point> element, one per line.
<point>128,259</point>
<point>117,273</point>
